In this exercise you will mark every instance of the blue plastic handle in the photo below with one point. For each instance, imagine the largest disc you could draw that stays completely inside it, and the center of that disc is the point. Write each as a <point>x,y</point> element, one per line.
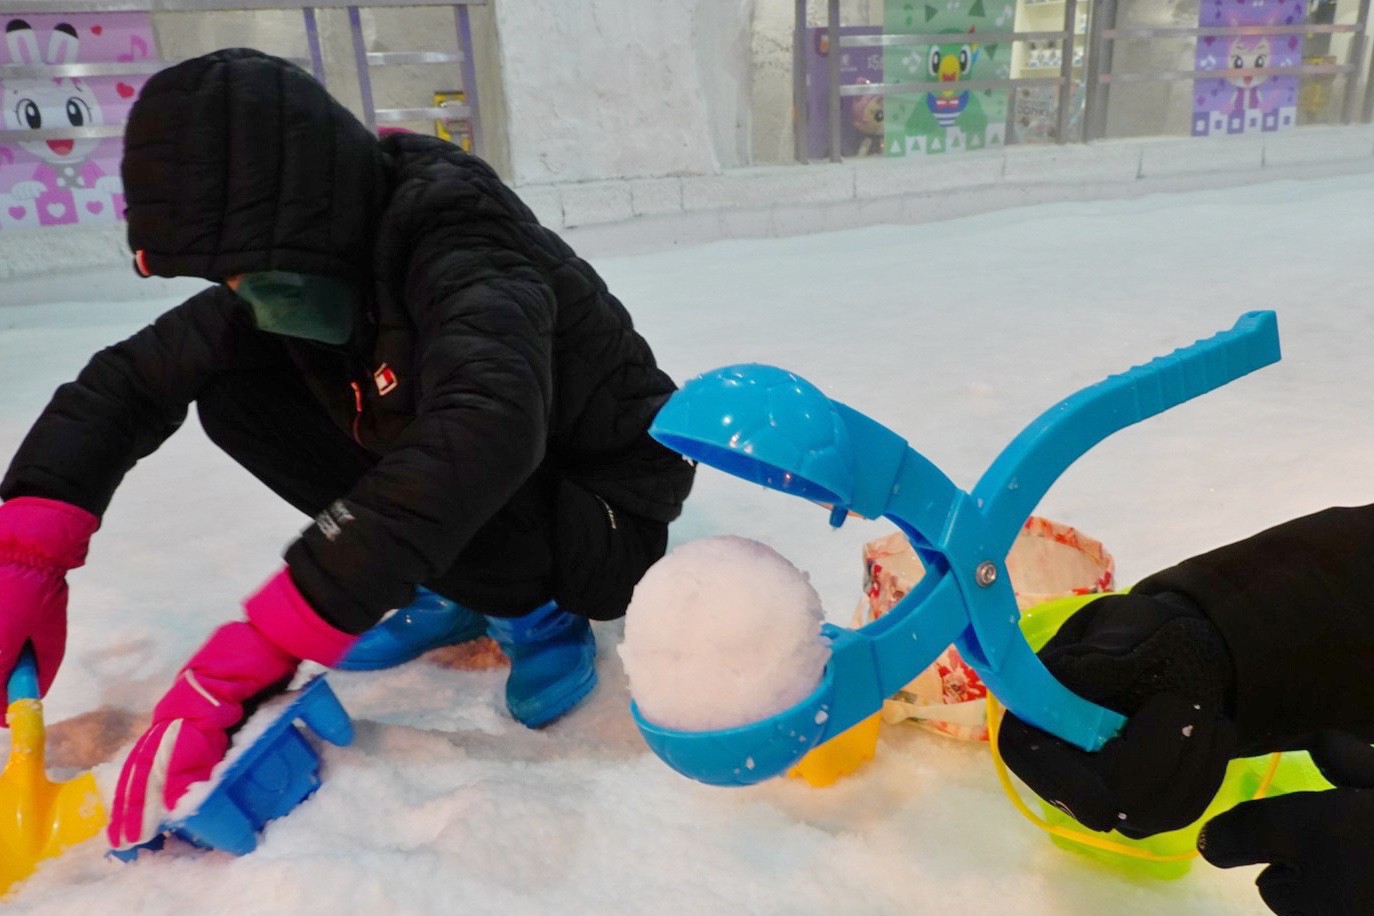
<point>1009,491</point>
<point>770,426</point>
<point>1012,486</point>
<point>23,680</point>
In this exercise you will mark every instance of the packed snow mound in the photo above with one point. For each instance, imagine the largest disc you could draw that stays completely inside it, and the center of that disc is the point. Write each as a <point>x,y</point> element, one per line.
<point>722,632</point>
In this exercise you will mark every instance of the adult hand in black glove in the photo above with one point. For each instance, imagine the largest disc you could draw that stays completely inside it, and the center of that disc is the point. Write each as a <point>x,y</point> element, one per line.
<point>1159,661</point>
<point>1320,844</point>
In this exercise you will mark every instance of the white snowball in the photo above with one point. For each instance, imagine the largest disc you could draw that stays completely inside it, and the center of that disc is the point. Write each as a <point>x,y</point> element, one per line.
<point>722,632</point>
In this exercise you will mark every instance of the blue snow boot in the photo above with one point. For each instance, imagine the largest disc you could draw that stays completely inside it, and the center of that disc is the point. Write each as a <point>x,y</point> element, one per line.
<point>428,622</point>
<point>552,662</point>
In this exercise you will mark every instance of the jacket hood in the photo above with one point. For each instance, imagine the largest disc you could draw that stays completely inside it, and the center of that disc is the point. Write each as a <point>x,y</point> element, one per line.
<point>237,162</point>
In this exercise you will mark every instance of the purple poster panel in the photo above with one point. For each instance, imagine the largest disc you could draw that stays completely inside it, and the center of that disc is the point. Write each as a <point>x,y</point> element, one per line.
<point>54,182</point>
<point>1247,104</point>
<point>861,116</point>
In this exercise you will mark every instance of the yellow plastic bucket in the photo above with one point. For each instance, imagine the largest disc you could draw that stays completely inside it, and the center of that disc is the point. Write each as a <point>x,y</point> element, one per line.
<point>824,764</point>
<point>1164,855</point>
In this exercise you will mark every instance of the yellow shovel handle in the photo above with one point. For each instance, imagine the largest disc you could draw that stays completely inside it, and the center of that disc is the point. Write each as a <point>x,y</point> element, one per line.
<point>26,764</point>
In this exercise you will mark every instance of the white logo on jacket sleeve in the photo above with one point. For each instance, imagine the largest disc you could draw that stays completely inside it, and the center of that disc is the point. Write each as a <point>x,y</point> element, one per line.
<point>331,520</point>
<point>385,379</point>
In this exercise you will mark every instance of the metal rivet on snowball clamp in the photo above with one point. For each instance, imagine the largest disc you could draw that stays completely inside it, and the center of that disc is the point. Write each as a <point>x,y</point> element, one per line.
<point>985,574</point>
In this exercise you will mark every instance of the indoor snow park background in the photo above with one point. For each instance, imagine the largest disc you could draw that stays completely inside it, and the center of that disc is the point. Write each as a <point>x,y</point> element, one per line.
<point>955,334</point>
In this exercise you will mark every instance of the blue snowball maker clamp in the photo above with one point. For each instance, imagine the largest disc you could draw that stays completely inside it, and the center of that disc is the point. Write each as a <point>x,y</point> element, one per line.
<point>771,427</point>
<point>267,780</point>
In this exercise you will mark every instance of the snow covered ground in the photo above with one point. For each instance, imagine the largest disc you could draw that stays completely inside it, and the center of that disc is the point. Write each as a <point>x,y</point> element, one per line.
<point>956,334</point>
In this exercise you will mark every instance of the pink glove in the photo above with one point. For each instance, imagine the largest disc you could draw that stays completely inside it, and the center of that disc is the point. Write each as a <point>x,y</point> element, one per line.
<point>242,662</point>
<point>40,539</point>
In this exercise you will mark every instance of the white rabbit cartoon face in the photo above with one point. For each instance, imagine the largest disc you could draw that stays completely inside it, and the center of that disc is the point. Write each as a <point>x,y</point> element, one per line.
<point>43,104</point>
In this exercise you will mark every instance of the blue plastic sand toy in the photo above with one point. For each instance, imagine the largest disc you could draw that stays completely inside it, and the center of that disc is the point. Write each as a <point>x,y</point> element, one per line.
<point>273,775</point>
<point>774,428</point>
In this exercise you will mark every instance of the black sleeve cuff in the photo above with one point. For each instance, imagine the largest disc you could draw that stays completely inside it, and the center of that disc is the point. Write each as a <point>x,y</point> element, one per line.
<point>1295,605</point>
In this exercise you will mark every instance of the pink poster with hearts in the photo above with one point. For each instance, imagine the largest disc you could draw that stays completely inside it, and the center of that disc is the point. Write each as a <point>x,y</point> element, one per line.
<point>55,182</point>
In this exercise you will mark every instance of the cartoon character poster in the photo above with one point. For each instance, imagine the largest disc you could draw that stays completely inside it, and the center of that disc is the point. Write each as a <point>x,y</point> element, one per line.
<point>861,116</point>
<point>1247,104</point>
<point>953,119</point>
<point>66,181</point>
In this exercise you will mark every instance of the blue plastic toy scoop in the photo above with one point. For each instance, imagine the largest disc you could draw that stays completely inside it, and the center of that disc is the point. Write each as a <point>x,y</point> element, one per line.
<point>277,771</point>
<point>771,427</point>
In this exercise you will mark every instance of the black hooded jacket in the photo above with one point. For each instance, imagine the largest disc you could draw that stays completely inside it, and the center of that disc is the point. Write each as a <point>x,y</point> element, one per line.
<point>487,350</point>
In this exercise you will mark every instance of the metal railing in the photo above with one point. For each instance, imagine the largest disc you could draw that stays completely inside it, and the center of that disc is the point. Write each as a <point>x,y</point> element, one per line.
<point>835,91</point>
<point>364,60</point>
<point>1101,38</point>
<point>1105,34</point>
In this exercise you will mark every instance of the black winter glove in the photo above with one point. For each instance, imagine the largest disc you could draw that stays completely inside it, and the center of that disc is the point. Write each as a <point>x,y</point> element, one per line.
<point>1159,661</point>
<point>1320,844</point>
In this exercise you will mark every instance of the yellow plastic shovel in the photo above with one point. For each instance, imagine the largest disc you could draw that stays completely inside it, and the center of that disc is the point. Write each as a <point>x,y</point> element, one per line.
<point>38,818</point>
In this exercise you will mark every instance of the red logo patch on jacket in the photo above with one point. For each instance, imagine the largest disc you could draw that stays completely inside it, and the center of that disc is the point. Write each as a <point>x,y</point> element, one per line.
<point>385,379</point>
